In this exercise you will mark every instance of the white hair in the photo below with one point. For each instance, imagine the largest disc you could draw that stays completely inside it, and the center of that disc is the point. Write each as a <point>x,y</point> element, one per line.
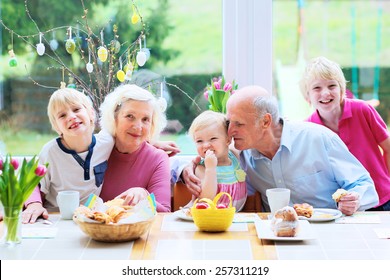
<point>113,102</point>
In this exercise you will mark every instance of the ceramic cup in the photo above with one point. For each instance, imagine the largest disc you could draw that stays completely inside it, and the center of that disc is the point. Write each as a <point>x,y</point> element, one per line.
<point>278,198</point>
<point>68,201</point>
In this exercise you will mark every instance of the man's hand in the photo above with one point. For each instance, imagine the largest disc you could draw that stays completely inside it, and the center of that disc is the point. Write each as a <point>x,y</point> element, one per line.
<point>169,147</point>
<point>349,203</point>
<point>33,212</point>
<point>192,182</point>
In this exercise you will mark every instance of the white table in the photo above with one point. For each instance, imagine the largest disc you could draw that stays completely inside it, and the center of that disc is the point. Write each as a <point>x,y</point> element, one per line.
<point>171,238</point>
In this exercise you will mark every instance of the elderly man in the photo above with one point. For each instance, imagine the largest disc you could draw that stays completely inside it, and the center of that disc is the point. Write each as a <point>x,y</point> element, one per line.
<point>306,158</point>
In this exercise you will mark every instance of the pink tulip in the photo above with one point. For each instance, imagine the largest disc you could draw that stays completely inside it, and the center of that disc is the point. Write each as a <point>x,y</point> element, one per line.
<point>15,163</point>
<point>206,94</point>
<point>41,170</point>
<point>1,164</point>
<point>227,87</point>
<point>217,85</point>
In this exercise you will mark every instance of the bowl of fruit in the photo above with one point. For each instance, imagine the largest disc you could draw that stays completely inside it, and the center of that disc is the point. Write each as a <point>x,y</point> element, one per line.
<point>209,215</point>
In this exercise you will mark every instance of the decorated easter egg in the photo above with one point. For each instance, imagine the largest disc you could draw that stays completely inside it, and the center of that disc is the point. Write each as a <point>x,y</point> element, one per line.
<point>89,67</point>
<point>71,86</point>
<point>53,44</point>
<point>13,62</point>
<point>120,75</point>
<point>70,46</point>
<point>102,54</point>
<point>128,67</point>
<point>40,49</point>
<point>135,18</point>
<point>141,58</point>
<point>128,76</point>
<point>115,46</point>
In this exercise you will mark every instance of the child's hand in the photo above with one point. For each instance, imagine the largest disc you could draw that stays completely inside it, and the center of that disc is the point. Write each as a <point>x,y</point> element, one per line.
<point>210,160</point>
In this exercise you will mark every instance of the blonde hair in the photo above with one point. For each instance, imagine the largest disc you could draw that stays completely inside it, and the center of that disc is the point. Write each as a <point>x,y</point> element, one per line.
<point>206,119</point>
<point>322,68</point>
<point>113,102</point>
<point>66,97</point>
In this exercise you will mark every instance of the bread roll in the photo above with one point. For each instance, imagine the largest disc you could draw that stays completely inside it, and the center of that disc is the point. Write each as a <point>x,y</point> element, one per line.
<point>304,209</point>
<point>339,194</point>
<point>285,222</point>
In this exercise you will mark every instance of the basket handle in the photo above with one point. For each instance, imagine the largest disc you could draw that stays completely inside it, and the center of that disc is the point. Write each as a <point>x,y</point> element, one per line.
<point>218,196</point>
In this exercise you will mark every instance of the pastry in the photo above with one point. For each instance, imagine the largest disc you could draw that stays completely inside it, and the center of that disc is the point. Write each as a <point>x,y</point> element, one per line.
<point>304,209</point>
<point>285,222</point>
<point>339,194</point>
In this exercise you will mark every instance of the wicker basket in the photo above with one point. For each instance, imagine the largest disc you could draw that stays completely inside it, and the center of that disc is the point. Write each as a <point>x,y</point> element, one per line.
<point>213,219</point>
<point>114,232</point>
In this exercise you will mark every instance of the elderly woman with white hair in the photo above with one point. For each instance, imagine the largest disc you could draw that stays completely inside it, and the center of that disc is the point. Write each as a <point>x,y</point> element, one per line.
<point>132,115</point>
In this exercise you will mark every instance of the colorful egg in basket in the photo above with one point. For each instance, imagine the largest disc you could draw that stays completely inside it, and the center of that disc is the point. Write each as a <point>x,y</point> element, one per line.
<point>213,219</point>
<point>114,232</point>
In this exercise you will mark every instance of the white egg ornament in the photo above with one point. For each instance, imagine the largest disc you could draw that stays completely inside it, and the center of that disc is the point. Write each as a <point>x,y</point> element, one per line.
<point>53,45</point>
<point>141,58</point>
<point>40,49</point>
<point>128,75</point>
<point>40,46</point>
<point>89,67</point>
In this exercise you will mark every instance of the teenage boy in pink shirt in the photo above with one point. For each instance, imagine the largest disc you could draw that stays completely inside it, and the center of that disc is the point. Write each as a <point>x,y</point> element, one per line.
<point>357,123</point>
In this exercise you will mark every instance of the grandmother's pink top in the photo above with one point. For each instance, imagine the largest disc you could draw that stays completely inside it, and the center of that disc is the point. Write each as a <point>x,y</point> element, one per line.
<point>148,168</point>
<point>362,129</point>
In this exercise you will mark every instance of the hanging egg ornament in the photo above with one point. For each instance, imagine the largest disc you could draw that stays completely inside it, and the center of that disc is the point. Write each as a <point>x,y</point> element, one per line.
<point>147,53</point>
<point>89,67</point>
<point>71,86</point>
<point>40,49</point>
<point>70,46</point>
<point>102,54</point>
<point>120,76</point>
<point>141,58</point>
<point>162,103</point>
<point>13,62</point>
<point>53,45</point>
<point>128,67</point>
<point>115,46</point>
<point>128,75</point>
<point>135,18</point>
<point>40,46</point>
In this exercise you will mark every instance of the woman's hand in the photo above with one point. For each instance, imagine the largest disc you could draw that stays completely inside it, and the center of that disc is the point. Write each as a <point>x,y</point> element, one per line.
<point>32,212</point>
<point>349,203</point>
<point>133,195</point>
<point>192,182</point>
<point>169,147</point>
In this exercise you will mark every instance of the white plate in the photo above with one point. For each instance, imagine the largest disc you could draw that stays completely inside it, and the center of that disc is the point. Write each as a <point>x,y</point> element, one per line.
<point>323,215</point>
<point>181,215</point>
<point>264,231</point>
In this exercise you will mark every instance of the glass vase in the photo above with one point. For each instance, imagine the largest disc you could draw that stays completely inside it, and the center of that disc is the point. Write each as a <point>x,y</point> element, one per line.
<point>12,226</point>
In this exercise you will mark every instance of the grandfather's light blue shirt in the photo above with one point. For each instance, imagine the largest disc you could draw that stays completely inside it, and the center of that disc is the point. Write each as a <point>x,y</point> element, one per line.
<point>313,162</point>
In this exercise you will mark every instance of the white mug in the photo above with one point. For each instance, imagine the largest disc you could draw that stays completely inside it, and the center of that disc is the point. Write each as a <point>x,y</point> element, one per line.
<point>68,201</point>
<point>278,198</point>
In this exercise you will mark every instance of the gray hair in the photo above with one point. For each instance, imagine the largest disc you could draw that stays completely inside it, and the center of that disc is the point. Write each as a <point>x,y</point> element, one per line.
<point>267,104</point>
<point>113,102</point>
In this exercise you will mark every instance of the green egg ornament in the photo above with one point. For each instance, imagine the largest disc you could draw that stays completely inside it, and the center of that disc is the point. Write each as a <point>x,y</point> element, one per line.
<point>71,86</point>
<point>70,46</point>
<point>13,62</point>
<point>115,46</point>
